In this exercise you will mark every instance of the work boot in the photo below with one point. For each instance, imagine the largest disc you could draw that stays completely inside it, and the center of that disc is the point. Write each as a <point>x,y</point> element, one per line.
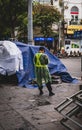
<point>40,89</point>
<point>48,85</point>
<point>51,94</point>
<point>41,93</point>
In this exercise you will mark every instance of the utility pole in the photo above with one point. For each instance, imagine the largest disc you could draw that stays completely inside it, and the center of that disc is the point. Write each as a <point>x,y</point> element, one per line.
<point>59,34</point>
<point>63,40</point>
<point>30,23</point>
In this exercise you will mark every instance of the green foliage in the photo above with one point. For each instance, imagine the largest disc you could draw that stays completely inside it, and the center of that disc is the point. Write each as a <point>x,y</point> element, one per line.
<point>13,14</point>
<point>44,16</point>
<point>10,16</point>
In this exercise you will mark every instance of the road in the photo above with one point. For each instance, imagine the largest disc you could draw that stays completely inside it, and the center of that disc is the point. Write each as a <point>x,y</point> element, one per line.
<point>73,66</point>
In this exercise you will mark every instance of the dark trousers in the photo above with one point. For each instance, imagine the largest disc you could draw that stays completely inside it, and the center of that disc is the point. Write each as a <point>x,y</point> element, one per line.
<point>48,85</point>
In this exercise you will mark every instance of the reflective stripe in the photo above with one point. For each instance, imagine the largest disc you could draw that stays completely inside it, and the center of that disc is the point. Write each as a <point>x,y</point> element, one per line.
<point>38,58</point>
<point>38,63</point>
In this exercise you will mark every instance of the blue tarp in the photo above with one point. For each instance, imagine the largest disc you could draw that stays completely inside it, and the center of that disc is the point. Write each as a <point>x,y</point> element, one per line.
<point>55,66</point>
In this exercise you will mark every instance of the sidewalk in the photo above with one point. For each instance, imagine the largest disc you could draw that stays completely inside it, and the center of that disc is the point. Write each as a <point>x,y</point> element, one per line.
<point>22,108</point>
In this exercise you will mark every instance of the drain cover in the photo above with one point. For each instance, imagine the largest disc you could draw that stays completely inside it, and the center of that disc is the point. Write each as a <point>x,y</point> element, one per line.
<point>43,103</point>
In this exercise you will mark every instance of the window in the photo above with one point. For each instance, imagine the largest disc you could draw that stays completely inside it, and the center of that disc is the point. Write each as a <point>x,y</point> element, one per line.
<point>76,18</point>
<point>72,17</point>
<point>74,9</point>
<point>74,14</point>
<point>67,42</point>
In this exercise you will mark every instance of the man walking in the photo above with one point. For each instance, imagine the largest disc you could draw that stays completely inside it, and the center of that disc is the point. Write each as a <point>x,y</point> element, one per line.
<point>41,71</point>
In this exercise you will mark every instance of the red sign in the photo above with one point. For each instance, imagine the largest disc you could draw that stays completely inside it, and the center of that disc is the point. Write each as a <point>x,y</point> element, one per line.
<point>74,12</point>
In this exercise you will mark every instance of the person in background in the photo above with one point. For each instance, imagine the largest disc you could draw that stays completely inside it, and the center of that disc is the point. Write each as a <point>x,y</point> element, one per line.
<point>41,71</point>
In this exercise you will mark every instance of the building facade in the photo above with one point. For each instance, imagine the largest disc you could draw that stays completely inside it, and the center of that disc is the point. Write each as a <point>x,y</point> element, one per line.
<point>72,9</point>
<point>72,12</point>
<point>73,18</point>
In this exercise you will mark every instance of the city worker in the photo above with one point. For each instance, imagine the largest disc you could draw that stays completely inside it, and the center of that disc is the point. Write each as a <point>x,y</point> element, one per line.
<point>42,71</point>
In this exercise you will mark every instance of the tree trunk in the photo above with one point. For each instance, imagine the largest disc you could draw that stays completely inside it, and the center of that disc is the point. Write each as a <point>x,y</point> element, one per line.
<point>51,1</point>
<point>12,33</point>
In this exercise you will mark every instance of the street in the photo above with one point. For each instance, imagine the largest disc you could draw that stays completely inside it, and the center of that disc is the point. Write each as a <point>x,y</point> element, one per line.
<point>22,108</point>
<point>73,65</point>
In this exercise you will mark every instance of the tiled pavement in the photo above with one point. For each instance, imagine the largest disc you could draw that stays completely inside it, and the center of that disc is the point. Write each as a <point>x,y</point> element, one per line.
<point>22,108</point>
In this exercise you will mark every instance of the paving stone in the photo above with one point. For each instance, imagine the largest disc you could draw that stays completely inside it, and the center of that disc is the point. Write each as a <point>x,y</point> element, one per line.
<point>22,108</point>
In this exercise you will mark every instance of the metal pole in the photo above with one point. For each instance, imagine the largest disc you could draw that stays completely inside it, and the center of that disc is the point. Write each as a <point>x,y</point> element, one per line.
<point>80,86</point>
<point>81,54</point>
<point>59,33</point>
<point>30,23</point>
<point>81,57</point>
<point>81,66</point>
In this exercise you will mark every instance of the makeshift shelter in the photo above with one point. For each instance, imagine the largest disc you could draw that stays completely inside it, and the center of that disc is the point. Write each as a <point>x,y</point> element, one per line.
<point>23,63</point>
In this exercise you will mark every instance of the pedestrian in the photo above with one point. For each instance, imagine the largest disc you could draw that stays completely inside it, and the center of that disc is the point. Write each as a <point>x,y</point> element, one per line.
<point>41,71</point>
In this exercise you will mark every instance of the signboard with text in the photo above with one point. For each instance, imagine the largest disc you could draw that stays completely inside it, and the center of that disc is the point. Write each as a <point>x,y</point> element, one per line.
<point>72,28</point>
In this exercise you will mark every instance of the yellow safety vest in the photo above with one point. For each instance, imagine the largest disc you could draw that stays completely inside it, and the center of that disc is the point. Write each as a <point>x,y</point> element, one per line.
<point>38,63</point>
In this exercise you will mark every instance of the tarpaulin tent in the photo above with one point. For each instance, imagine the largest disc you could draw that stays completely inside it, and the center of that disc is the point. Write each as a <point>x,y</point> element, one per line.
<point>27,73</point>
<point>55,66</point>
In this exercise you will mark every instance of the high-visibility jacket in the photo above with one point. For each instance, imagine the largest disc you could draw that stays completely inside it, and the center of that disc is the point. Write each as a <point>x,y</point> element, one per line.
<point>41,68</point>
<point>37,60</point>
